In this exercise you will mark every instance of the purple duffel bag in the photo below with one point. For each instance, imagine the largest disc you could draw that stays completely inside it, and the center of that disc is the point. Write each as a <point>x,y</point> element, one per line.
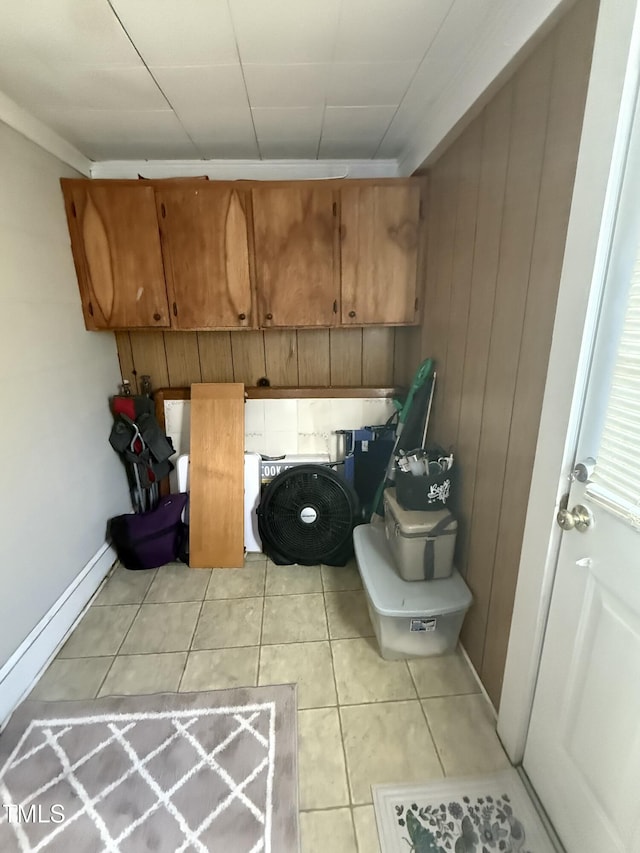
<point>150,539</point>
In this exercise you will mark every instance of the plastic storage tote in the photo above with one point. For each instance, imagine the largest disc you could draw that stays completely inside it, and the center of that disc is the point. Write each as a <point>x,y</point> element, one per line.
<point>410,619</point>
<point>422,543</point>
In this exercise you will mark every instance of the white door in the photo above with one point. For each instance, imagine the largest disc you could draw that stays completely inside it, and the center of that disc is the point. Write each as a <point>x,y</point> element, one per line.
<point>583,747</point>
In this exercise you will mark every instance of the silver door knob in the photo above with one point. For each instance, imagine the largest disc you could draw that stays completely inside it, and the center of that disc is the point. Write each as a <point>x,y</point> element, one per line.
<point>579,517</point>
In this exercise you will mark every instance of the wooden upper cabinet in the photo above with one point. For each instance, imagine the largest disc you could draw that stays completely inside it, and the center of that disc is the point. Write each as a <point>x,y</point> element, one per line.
<point>205,240</point>
<point>116,250</point>
<point>380,232</point>
<point>297,276</point>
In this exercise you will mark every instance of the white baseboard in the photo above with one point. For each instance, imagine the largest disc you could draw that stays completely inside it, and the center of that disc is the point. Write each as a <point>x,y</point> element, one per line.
<point>25,666</point>
<point>483,689</point>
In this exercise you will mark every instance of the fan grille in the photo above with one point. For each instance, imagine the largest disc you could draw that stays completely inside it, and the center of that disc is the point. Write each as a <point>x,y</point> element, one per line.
<point>307,514</point>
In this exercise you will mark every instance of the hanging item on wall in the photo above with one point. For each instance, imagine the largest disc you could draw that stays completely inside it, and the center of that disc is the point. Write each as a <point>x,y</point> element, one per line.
<point>143,447</point>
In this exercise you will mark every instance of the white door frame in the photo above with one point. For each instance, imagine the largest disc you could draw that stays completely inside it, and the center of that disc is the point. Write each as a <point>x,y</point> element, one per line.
<point>613,86</point>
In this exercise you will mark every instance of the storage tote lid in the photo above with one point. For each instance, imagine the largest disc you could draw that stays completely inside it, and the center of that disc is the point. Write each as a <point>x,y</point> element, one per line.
<point>392,596</point>
<point>418,522</point>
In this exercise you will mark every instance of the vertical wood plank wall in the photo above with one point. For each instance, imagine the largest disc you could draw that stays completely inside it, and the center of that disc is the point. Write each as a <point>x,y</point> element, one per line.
<point>306,357</point>
<point>500,200</point>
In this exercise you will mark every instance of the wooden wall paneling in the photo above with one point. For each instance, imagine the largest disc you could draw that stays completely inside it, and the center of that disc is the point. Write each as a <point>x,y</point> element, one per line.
<point>314,362</point>
<point>216,363</point>
<point>406,354</point>
<point>247,352</point>
<point>566,108</point>
<point>125,357</point>
<point>496,121</point>
<point>346,356</point>
<point>149,357</point>
<point>183,359</point>
<point>469,153</point>
<point>216,476</point>
<point>531,99</point>
<point>377,356</point>
<point>281,356</point>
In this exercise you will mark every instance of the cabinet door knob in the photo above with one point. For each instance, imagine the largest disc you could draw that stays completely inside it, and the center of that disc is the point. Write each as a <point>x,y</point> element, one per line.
<point>175,310</point>
<point>242,316</point>
<point>269,317</point>
<point>157,317</point>
<point>352,313</point>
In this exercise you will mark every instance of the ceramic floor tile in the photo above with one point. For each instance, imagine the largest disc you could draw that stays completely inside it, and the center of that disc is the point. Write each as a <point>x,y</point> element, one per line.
<point>291,580</point>
<point>324,830</point>
<point>133,675</point>
<point>177,582</point>
<point>247,582</point>
<point>323,779</point>
<point>463,728</point>
<point>100,632</point>
<point>443,675</point>
<point>218,669</point>
<point>348,615</point>
<point>162,628</point>
<point>294,619</point>
<point>306,664</point>
<point>387,742</point>
<point>336,578</point>
<point>77,678</point>
<point>126,587</point>
<point>254,557</point>
<point>366,830</point>
<point>224,624</point>
<point>363,676</point>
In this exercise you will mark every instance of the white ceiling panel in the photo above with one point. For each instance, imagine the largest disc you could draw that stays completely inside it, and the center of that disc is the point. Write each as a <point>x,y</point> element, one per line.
<point>300,123</point>
<point>202,87</point>
<point>380,31</point>
<point>369,83</point>
<point>116,126</point>
<point>344,149</point>
<point>156,149</point>
<point>37,86</point>
<point>289,149</point>
<point>188,32</point>
<point>247,150</point>
<point>300,85</point>
<point>357,123</point>
<point>218,125</point>
<point>73,31</point>
<point>285,32</point>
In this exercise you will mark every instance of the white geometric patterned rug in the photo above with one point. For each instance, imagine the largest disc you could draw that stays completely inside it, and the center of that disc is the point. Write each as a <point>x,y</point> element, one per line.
<point>486,814</point>
<point>188,772</point>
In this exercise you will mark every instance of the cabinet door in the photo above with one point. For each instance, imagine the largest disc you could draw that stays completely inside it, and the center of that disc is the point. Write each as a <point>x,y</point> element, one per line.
<point>206,252</point>
<point>296,250</point>
<point>379,253</point>
<point>116,249</point>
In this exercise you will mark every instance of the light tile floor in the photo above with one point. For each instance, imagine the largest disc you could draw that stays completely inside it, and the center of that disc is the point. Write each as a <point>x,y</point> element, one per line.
<point>362,720</point>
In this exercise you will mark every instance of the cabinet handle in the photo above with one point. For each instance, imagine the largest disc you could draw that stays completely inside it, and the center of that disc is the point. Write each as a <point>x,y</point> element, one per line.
<point>242,316</point>
<point>163,210</point>
<point>415,304</point>
<point>335,306</point>
<point>269,317</point>
<point>90,306</point>
<point>352,313</point>
<point>335,209</point>
<point>157,317</point>
<point>175,310</point>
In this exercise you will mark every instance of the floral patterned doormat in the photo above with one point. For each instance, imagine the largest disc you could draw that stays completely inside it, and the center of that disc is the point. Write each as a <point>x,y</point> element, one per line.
<point>484,814</point>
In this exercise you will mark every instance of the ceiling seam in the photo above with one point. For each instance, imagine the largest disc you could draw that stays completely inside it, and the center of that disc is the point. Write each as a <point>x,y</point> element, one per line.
<point>244,81</point>
<point>151,74</point>
<point>331,65</point>
<point>415,74</point>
